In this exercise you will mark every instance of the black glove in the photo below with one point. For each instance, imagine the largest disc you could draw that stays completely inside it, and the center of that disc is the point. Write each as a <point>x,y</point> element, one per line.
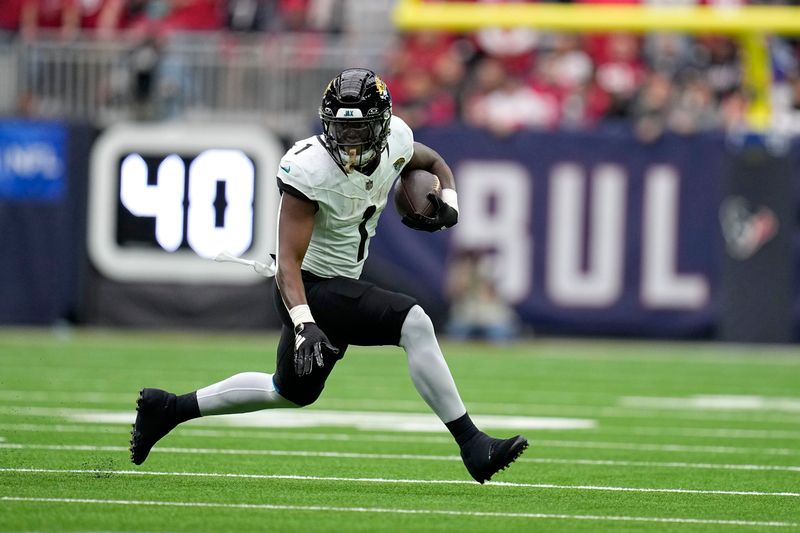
<point>444,216</point>
<point>309,345</point>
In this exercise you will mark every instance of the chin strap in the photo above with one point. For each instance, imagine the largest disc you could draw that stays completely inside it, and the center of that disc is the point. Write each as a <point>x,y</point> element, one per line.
<point>351,160</point>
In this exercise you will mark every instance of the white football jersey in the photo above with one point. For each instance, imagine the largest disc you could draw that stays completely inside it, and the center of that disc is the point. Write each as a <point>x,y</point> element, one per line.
<point>348,205</point>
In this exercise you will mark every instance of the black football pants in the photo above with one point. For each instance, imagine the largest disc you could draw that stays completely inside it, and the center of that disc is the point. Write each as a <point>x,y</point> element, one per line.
<point>348,311</point>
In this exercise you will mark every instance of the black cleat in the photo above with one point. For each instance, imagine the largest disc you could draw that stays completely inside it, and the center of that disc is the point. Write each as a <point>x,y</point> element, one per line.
<point>155,417</point>
<point>485,456</point>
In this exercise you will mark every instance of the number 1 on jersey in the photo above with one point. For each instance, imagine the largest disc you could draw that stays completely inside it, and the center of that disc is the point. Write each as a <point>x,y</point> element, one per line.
<point>304,148</point>
<point>362,229</point>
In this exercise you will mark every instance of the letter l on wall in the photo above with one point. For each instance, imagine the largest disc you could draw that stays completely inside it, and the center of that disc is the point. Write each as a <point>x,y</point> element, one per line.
<point>662,286</point>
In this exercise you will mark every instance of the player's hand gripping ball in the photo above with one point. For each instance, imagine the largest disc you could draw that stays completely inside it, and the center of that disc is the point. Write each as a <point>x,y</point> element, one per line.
<point>418,199</point>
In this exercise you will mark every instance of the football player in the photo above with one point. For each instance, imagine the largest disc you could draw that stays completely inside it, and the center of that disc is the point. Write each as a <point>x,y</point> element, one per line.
<point>334,187</point>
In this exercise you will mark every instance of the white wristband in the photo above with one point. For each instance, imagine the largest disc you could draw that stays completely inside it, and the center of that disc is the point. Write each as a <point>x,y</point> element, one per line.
<point>450,197</point>
<point>300,314</point>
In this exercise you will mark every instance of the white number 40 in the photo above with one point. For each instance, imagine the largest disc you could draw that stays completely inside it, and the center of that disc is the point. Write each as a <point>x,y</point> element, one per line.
<point>164,200</point>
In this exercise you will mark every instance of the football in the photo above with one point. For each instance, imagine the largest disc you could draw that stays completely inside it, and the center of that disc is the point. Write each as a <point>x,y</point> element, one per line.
<point>411,193</point>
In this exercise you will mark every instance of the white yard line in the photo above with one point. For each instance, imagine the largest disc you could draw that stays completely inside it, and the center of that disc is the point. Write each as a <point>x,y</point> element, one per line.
<point>406,407</point>
<point>544,406</point>
<point>223,451</point>
<point>389,438</point>
<point>670,448</point>
<point>345,437</point>
<point>193,430</point>
<point>305,418</point>
<point>65,396</point>
<point>381,510</point>
<point>402,481</point>
<point>716,433</point>
<point>657,464</point>
<point>350,455</point>
<point>715,402</point>
<point>659,352</point>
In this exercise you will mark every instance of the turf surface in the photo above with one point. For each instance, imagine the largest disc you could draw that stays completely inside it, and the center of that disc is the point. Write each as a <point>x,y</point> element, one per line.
<point>677,437</point>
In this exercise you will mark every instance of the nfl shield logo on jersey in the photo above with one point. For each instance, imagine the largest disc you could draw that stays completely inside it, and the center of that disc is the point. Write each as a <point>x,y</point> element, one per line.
<point>369,185</point>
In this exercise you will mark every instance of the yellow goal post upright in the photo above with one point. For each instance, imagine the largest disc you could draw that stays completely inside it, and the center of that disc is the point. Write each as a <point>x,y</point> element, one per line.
<point>748,24</point>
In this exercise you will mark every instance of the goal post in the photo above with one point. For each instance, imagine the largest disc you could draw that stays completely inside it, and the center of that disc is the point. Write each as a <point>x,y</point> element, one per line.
<point>748,24</point>
<point>466,16</point>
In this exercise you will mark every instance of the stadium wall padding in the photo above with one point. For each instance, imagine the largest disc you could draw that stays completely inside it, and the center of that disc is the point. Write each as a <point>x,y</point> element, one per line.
<point>43,178</point>
<point>590,233</point>
<point>757,219</point>
<point>543,162</point>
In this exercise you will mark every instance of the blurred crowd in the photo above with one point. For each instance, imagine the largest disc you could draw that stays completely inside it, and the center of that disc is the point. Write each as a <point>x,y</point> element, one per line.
<point>510,80</point>
<point>156,82</point>
<point>110,18</point>
<point>501,80</point>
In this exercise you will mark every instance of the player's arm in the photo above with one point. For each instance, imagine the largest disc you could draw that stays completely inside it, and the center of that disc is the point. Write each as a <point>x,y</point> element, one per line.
<point>295,226</point>
<point>446,214</point>
<point>426,158</point>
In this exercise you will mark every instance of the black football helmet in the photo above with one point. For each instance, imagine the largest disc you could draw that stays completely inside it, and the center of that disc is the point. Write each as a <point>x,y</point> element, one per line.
<point>356,111</point>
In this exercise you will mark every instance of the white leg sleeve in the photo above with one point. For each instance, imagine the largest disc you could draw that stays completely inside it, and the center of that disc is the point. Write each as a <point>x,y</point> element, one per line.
<point>242,393</point>
<point>427,366</point>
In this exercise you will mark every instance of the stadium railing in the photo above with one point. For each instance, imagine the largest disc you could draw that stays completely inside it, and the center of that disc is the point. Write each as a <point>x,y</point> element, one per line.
<point>275,79</point>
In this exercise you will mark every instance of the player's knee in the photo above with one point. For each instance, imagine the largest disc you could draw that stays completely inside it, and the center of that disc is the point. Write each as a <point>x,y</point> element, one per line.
<point>302,398</point>
<point>416,325</point>
<point>307,399</point>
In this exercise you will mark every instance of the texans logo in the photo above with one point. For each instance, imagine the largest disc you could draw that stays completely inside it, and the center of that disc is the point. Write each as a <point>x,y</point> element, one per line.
<point>745,231</point>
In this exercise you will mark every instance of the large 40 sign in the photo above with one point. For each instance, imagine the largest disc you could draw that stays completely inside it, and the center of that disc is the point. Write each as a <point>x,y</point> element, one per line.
<point>213,177</point>
<point>165,199</point>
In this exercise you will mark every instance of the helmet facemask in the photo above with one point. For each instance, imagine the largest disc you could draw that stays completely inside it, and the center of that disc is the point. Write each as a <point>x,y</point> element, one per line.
<point>355,142</point>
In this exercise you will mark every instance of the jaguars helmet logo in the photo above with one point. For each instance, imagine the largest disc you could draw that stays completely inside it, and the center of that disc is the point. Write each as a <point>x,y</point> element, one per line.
<point>381,86</point>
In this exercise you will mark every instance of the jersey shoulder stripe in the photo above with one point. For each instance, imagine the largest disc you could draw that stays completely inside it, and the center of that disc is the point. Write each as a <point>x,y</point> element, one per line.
<point>292,191</point>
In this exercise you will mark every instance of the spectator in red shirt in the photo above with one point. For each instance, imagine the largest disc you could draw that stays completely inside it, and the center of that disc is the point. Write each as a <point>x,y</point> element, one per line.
<point>102,17</point>
<point>504,104</point>
<point>425,102</point>
<point>37,15</point>
<point>163,17</point>
<point>10,16</point>
<point>514,47</point>
<point>194,15</point>
<point>619,71</point>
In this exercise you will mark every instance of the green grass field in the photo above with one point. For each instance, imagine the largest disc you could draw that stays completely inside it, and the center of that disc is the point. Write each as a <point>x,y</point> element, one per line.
<point>642,437</point>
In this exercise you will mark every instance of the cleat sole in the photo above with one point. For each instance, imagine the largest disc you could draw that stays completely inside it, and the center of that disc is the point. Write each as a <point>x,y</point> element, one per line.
<point>134,441</point>
<point>519,446</point>
<point>154,419</point>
